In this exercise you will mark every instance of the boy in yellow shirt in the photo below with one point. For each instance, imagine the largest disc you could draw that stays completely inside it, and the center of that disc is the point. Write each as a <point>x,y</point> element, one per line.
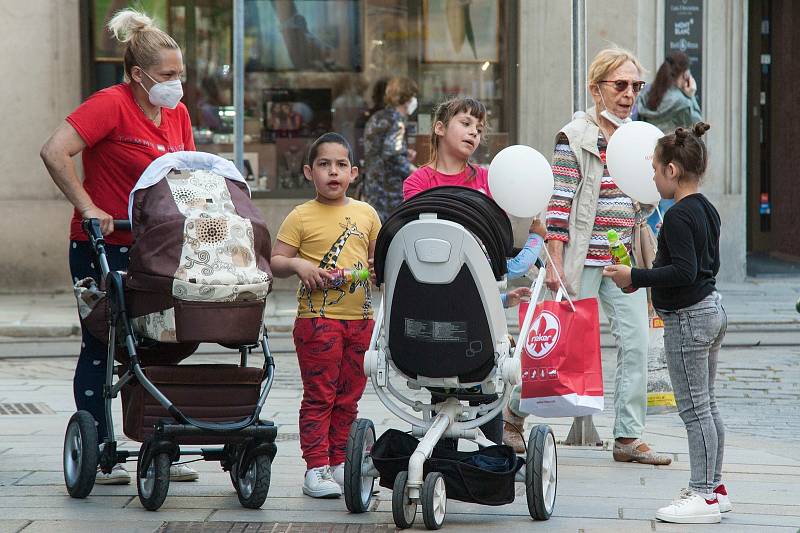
<point>334,320</point>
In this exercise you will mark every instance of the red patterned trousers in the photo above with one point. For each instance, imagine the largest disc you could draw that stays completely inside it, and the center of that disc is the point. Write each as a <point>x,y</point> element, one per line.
<point>331,357</point>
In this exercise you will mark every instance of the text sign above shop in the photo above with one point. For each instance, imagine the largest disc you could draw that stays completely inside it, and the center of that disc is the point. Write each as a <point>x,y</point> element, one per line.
<point>683,31</point>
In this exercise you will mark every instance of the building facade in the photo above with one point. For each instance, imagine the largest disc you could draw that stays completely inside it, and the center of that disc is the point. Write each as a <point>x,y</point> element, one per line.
<point>311,66</point>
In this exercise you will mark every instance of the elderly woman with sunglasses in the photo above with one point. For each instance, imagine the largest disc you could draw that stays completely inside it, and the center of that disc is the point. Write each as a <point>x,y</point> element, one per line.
<point>585,205</point>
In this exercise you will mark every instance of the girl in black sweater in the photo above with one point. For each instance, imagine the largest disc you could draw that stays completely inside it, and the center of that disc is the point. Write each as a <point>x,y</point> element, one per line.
<point>685,297</point>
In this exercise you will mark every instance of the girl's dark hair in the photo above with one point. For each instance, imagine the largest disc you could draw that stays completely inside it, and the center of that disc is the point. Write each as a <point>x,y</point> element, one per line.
<point>685,149</point>
<point>670,70</point>
<point>445,112</point>
<point>330,137</point>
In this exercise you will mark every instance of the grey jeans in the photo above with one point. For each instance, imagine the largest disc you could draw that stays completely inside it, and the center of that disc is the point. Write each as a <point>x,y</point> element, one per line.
<point>692,338</point>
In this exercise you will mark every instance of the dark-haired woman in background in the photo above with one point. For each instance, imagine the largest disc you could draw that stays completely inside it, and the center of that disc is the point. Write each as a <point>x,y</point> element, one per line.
<point>670,103</point>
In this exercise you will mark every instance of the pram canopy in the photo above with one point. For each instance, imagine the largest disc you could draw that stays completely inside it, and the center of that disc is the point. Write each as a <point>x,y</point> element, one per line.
<point>474,210</point>
<point>199,265</point>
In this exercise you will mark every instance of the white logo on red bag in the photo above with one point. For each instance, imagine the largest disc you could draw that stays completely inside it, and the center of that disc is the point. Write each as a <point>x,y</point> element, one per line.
<point>543,335</point>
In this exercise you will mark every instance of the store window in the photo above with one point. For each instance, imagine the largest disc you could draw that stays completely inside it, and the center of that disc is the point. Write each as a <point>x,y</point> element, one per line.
<point>313,66</point>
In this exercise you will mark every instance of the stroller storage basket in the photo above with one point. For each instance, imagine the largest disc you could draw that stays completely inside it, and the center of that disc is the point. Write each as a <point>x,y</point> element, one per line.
<point>485,476</point>
<point>213,393</point>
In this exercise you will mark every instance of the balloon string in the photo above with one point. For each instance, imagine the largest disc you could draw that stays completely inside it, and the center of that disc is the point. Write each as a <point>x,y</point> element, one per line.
<point>660,217</point>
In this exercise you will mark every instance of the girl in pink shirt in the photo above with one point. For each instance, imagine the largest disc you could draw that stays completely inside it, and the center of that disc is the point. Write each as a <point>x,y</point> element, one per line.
<point>457,130</point>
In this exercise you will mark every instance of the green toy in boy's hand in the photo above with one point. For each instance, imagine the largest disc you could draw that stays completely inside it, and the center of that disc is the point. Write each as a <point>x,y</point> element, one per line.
<point>343,276</point>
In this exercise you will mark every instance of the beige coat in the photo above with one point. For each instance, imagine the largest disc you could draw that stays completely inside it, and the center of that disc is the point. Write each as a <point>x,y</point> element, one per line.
<point>582,133</point>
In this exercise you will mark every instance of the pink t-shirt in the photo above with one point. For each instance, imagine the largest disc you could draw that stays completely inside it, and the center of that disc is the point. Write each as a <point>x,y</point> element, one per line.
<point>425,178</point>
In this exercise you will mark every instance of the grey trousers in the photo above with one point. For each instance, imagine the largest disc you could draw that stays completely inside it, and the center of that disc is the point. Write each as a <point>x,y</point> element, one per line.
<point>692,339</point>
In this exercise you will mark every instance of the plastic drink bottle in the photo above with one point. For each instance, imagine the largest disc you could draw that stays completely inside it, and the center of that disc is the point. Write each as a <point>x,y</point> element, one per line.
<point>619,254</point>
<point>342,276</point>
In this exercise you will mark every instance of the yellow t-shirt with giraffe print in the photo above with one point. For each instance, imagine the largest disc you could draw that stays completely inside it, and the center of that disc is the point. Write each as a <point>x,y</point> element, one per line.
<point>333,237</point>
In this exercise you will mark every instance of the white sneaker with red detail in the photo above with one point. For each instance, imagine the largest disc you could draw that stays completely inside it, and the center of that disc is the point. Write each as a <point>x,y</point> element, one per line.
<point>725,505</point>
<point>690,508</point>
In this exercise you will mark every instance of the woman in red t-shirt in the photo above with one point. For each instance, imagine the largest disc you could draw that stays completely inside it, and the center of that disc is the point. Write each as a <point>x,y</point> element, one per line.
<point>119,131</point>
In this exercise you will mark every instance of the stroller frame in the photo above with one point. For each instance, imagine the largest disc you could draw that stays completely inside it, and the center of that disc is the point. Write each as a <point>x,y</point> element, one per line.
<point>249,443</point>
<point>447,419</point>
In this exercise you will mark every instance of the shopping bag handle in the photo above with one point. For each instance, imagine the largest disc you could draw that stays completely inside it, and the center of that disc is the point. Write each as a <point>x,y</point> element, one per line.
<point>536,288</point>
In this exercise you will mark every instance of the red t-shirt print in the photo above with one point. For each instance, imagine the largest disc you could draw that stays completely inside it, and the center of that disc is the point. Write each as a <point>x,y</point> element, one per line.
<point>120,143</point>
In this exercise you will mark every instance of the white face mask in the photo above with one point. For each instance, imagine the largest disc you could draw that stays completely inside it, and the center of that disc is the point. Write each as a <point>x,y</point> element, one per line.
<point>611,117</point>
<point>412,105</point>
<point>165,93</point>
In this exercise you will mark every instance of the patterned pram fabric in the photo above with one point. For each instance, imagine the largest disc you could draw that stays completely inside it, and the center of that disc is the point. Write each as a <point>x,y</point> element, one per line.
<point>199,269</point>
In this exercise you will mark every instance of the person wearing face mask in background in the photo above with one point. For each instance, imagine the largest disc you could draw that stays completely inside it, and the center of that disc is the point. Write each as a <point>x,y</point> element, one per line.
<point>118,131</point>
<point>586,203</point>
<point>386,154</point>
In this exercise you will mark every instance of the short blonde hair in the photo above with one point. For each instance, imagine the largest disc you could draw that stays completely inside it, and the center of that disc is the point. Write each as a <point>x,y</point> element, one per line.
<point>609,60</point>
<point>143,40</point>
<point>399,91</point>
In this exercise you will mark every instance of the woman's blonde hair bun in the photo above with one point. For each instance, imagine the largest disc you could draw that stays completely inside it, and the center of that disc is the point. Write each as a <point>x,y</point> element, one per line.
<point>127,22</point>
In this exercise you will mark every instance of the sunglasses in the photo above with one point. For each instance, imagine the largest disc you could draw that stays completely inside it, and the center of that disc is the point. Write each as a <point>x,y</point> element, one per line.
<point>622,85</point>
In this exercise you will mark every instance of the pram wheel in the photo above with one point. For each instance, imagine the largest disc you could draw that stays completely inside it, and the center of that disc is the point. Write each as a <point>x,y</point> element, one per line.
<point>434,500</point>
<point>541,472</point>
<point>152,478</point>
<point>404,511</point>
<point>252,480</point>
<point>357,486</point>
<point>80,454</point>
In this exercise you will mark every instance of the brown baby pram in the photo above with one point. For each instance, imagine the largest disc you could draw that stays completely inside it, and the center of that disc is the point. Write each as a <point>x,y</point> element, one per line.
<point>198,273</point>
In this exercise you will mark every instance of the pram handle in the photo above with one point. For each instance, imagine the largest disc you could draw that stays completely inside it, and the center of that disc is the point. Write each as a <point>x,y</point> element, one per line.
<point>91,226</point>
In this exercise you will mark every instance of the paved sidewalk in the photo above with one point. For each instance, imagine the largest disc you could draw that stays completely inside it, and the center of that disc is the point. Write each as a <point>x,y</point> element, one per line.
<point>759,391</point>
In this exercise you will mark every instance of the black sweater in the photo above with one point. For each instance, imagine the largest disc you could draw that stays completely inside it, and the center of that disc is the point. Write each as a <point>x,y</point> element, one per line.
<point>688,255</point>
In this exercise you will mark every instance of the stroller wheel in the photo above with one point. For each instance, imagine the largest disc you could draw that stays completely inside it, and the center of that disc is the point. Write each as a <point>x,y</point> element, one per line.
<point>541,472</point>
<point>152,479</point>
<point>357,486</point>
<point>80,454</point>
<point>434,500</point>
<point>252,480</point>
<point>404,511</point>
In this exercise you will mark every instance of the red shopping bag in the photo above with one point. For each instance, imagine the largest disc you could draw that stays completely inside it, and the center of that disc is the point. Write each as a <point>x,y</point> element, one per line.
<point>562,374</point>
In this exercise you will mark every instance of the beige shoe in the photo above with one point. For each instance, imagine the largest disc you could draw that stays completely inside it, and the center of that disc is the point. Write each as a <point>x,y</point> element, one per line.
<point>513,429</point>
<point>626,453</point>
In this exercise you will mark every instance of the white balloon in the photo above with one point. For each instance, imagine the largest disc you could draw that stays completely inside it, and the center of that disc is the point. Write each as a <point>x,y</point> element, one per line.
<point>521,180</point>
<point>630,160</point>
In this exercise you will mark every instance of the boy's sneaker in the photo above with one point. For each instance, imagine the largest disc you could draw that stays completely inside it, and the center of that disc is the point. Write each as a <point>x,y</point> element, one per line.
<point>337,472</point>
<point>320,484</point>
<point>690,508</point>
<point>117,476</point>
<point>723,499</point>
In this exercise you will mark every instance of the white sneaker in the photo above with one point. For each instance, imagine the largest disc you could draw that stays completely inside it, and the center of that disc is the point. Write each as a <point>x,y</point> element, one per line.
<point>337,472</point>
<point>182,473</point>
<point>117,476</point>
<point>725,505</point>
<point>690,508</point>
<point>320,484</point>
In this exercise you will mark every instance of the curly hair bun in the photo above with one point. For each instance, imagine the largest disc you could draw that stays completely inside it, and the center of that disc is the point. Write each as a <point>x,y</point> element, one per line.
<point>680,136</point>
<point>700,128</point>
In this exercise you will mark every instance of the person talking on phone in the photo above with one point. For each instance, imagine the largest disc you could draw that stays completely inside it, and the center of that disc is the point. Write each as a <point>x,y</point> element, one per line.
<point>670,103</point>
<point>118,131</point>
